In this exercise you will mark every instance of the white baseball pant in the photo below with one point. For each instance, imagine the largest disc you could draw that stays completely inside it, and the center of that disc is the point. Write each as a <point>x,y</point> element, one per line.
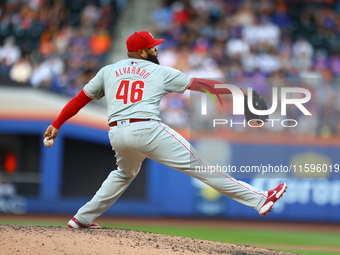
<point>133,142</point>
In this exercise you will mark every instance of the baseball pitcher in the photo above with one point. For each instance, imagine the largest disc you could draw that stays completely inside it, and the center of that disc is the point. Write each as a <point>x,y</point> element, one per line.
<point>134,88</point>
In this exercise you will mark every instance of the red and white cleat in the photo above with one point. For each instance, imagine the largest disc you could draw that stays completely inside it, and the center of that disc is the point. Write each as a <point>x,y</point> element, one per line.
<point>74,223</point>
<point>273,196</point>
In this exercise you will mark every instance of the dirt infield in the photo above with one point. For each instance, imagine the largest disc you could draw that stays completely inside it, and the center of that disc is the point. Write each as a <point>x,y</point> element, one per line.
<point>19,239</point>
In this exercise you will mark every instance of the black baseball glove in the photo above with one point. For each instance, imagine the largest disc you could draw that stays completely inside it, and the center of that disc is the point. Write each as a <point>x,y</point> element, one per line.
<point>258,104</point>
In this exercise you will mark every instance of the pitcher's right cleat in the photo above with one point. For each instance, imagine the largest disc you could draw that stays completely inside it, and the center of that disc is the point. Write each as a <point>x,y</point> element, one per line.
<point>273,196</point>
<point>74,223</point>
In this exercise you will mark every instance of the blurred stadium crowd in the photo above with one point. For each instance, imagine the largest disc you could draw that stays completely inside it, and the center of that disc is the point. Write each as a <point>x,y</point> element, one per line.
<point>55,45</point>
<point>60,45</point>
<point>259,44</point>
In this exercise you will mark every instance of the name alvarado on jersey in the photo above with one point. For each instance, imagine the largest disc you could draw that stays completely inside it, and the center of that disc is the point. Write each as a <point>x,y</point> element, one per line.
<point>132,70</point>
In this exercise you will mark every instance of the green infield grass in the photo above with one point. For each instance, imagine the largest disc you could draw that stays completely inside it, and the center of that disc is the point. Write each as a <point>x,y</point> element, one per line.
<point>313,243</point>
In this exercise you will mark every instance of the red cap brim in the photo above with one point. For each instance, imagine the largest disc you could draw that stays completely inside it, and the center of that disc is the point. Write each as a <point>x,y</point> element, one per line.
<point>156,42</point>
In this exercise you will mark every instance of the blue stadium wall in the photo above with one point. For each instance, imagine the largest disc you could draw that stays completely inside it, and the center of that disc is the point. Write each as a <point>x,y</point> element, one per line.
<point>167,192</point>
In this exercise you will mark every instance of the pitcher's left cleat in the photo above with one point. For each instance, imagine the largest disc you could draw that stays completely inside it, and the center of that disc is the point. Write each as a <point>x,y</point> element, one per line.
<point>74,223</point>
<point>273,196</point>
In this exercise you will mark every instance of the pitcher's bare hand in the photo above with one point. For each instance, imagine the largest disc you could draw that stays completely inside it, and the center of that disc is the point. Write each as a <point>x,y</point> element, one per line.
<point>51,132</point>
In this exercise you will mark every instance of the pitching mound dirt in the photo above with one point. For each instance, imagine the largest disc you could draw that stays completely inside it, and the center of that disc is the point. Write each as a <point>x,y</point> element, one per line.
<point>17,239</point>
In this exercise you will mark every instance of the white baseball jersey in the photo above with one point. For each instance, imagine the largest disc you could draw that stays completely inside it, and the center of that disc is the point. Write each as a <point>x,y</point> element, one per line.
<point>135,87</point>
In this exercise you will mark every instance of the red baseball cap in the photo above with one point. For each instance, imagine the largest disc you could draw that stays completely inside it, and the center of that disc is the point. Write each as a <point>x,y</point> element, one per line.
<point>141,40</point>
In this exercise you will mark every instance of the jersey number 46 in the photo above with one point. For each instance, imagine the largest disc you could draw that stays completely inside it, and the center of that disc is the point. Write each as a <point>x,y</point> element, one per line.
<point>130,91</point>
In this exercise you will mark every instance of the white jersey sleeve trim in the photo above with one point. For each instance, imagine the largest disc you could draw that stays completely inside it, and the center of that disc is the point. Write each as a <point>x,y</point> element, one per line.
<point>88,95</point>
<point>191,80</point>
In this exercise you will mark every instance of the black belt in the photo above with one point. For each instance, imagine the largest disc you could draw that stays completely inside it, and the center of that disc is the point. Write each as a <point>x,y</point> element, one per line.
<point>115,123</point>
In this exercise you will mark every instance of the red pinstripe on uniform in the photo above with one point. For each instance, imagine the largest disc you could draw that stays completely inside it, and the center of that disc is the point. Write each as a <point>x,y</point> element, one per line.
<point>231,179</point>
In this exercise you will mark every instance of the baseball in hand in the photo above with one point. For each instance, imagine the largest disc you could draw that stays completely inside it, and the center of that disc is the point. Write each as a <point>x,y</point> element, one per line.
<point>48,143</point>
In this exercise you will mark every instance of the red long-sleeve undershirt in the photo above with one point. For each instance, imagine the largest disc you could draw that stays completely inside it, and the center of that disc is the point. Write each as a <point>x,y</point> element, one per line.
<point>198,84</point>
<point>204,85</point>
<point>71,109</point>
